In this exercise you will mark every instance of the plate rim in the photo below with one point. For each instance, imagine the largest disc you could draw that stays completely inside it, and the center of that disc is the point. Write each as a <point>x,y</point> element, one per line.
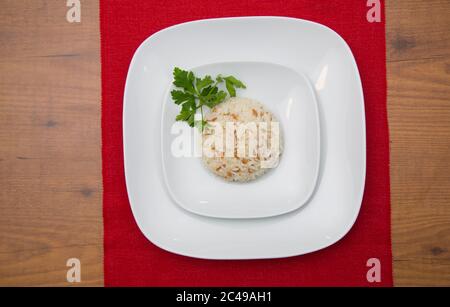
<point>345,230</point>
<point>315,178</point>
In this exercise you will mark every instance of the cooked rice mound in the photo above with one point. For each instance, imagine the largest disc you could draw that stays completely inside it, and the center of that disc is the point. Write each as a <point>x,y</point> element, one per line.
<point>241,167</point>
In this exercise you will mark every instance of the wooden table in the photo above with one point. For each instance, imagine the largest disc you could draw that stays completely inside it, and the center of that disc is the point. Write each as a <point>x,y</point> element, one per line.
<point>50,158</point>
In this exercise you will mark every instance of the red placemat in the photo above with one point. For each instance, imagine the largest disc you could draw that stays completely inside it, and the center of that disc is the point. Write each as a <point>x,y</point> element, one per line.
<point>130,259</point>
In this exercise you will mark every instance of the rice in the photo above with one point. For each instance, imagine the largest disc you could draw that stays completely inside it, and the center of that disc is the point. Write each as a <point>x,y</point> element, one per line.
<point>249,162</point>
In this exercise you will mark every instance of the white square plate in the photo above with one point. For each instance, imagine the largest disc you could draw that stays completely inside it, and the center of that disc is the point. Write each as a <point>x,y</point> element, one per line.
<point>290,97</point>
<point>307,48</point>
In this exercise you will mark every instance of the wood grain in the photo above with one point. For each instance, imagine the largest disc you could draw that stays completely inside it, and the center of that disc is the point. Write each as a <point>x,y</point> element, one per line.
<point>50,159</point>
<point>50,163</point>
<point>418,56</point>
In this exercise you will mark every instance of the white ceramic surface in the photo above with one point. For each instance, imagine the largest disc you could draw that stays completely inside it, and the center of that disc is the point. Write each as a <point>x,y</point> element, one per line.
<point>290,97</point>
<point>305,47</point>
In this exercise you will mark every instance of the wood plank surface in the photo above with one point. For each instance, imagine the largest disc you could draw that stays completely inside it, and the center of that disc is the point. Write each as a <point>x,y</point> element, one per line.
<point>418,63</point>
<point>50,144</point>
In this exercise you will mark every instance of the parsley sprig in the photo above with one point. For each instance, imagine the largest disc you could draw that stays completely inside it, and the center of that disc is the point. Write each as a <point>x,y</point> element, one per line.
<point>193,93</point>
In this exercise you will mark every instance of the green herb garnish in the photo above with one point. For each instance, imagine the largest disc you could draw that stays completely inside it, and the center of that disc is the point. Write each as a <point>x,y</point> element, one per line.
<point>194,93</point>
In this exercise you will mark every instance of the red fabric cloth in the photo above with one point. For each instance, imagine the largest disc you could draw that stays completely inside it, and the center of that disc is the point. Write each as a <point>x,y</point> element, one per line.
<point>130,259</point>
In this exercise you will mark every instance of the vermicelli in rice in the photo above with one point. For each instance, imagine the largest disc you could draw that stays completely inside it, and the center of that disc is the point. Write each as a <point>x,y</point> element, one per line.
<point>246,163</point>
